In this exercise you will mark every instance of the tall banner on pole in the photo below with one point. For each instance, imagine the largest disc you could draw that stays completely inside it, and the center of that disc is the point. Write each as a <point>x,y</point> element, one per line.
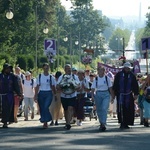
<point>50,49</point>
<point>145,48</point>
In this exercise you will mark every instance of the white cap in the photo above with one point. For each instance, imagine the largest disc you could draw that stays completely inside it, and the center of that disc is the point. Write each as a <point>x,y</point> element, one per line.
<point>27,73</point>
<point>127,65</point>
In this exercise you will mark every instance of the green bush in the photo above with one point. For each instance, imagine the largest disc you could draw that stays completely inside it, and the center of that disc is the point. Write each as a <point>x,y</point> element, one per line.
<point>22,62</point>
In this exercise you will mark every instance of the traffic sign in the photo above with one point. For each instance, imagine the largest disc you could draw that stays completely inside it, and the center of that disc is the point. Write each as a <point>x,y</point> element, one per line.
<point>145,43</point>
<point>50,46</point>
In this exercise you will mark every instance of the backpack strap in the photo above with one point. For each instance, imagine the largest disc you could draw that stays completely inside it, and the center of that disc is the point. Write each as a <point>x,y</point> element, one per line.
<point>50,81</point>
<point>73,76</point>
<point>107,83</point>
<point>32,82</point>
<point>106,80</point>
<point>96,79</point>
<point>23,82</point>
<point>39,79</point>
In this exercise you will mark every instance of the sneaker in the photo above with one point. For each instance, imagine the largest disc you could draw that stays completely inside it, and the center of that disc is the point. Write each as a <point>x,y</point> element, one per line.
<point>45,126</point>
<point>32,115</point>
<point>102,128</point>
<point>67,127</point>
<point>142,123</point>
<point>52,123</point>
<point>26,119</point>
<point>5,126</point>
<point>56,123</point>
<point>124,126</point>
<point>146,124</point>
<point>79,123</point>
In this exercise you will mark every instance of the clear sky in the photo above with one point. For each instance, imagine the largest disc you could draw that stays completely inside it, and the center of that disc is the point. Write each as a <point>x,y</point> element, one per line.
<point>117,7</point>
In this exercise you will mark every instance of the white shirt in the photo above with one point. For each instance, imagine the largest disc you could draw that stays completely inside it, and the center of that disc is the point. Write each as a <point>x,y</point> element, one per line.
<point>101,84</point>
<point>28,88</point>
<point>75,77</point>
<point>44,84</point>
<point>86,85</point>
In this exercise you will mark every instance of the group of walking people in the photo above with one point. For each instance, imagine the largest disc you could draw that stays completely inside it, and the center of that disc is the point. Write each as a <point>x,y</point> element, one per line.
<point>69,90</point>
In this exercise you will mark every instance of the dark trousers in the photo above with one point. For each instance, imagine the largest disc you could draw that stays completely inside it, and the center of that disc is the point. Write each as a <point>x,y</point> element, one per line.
<point>79,106</point>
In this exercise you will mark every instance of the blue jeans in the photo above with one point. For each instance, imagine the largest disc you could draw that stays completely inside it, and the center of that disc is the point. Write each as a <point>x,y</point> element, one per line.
<point>28,102</point>
<point>44,101</point>
<point>102,100</point>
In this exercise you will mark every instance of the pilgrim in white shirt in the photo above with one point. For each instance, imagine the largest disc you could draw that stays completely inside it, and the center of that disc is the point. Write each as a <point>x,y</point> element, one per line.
<point>101,84</point>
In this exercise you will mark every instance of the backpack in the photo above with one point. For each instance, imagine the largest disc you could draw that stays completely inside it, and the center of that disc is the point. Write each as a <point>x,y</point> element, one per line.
<point>32,82</point>
<point>40,80</point>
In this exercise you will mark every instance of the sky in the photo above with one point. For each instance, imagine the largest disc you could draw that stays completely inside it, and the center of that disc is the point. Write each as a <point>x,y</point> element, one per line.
<point>117,7</point>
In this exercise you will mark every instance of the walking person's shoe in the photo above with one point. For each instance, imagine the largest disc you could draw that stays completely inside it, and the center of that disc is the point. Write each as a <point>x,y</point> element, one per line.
<point>45,126</point>
<point>52,123</point>
<point>124,126</point>
<point>102,128</point>
<point>67,127</point>
<point>56,123</point>
<point>26,118</point>
<point>5,125</point>
<point>32,115</point>
<point>79,122</point>
<point>146,124</point>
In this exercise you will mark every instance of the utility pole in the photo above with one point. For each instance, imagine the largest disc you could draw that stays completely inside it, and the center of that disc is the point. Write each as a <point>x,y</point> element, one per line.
<point>123,52</point>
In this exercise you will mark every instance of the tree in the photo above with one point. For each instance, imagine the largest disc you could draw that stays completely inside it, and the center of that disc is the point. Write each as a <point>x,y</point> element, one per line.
<point>116,40</point>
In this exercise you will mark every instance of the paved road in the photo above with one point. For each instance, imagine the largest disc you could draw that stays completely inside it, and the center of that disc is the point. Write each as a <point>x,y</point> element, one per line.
<point>29,135</point>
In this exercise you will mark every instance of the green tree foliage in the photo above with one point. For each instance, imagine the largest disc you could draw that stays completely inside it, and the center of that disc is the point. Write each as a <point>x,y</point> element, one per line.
<point>143,32</point>
<point>18,35</point>
<point>22,62</point>
<point>116,40</point>
<point>147,29</point>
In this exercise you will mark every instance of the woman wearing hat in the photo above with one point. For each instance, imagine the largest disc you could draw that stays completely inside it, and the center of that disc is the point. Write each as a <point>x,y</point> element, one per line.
<point>29,85</point>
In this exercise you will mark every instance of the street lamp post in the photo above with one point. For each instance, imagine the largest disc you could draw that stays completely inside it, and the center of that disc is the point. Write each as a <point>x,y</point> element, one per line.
<point>70,45</point>
<point>79,47</point>
<point>9,13</point>
<point>45,30</point>
<point>123,51</point>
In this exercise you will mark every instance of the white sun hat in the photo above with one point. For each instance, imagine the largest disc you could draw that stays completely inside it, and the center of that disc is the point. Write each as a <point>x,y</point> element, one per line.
<point>127,65</point>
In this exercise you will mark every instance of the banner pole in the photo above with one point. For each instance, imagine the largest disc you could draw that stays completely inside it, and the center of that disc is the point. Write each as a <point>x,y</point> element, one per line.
<point>147,61</point>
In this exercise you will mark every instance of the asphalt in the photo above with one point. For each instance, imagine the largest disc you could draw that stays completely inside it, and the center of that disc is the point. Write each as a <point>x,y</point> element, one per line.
<point>29,135</point>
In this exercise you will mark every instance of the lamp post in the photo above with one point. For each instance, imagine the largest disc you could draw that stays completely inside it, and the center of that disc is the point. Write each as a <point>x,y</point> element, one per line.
<point>45,31</point>
<point>78,42</point>
<point>123,51</point>
<point>9,13</point>
<point>70,47</point>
